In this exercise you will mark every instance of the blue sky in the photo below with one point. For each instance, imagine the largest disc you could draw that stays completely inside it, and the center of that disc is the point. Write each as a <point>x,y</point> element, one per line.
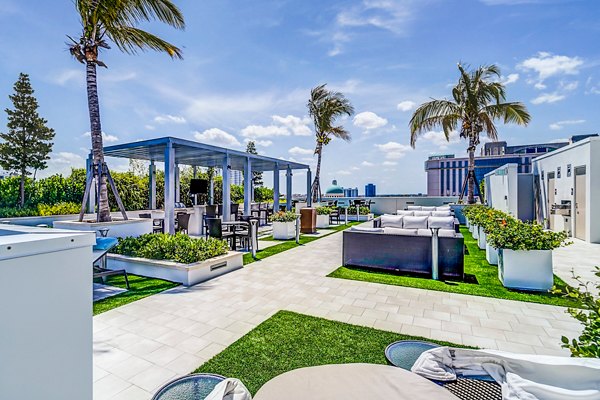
<point>249,65</point>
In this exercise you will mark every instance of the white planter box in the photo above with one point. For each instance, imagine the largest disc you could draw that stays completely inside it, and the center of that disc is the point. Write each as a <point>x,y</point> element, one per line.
<point>120,228</point>
<point>491,254</point>
<point>475,231</point>
<point>468,224</point>
<point>322,221</point>
<point>527,270</point>
<point>186,274</point>
<point>482,241</point>
<point>352,217</point>
<point>284,230</point>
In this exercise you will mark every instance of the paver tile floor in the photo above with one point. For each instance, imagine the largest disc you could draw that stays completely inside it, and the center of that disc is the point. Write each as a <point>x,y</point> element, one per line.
<point>140,346</point>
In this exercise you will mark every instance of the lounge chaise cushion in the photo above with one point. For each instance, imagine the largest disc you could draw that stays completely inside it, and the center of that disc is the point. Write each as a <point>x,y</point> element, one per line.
<point>413,208</point>
<point>427,208</point>
<point>415,222</point>
<point>391,221</point>
<point>441,222</point>
<point>366,229</point>
<point>442,208</point>
<point>423,213</point>
<point>399,231</point>
<point>447,213</point>
<point>405,212</point>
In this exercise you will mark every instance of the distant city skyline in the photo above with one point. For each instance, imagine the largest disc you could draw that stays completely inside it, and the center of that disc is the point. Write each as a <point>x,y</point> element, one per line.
<point>249,66</point>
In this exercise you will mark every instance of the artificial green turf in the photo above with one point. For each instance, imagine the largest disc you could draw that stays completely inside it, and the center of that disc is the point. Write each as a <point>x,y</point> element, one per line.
<point>140,287</point>
<point>290,244</point>
<point>475,264</point>
<point>289,341</point>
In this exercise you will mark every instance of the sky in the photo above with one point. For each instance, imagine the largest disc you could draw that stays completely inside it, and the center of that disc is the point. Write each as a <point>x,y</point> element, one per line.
<point>249,66</point>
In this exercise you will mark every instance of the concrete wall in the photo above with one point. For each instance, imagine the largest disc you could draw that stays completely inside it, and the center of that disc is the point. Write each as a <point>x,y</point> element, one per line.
<point>526,198</point>
<point>509,191</point>
<point>389,205</point>
<point>583,153</point>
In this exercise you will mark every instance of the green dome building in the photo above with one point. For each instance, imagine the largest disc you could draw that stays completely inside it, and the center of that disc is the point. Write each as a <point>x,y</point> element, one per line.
<point>334,190</point>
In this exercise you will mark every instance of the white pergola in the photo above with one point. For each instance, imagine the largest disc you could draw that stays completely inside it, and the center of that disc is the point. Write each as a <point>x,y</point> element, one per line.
<point>174,152</point>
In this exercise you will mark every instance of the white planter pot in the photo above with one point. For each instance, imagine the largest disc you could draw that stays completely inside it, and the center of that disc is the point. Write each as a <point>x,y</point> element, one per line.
<point>527,270</point>
<point>468,224</point>
<point>491,254</point>
<point>475,231</point>
<point>322,221</point>
<point>481,242</point>
<point>186,274</point>
<point>120,228</point>
<point>284,230</point>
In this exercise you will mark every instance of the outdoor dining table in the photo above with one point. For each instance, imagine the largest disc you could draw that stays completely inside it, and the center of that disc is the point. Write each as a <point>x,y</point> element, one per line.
<point>351,382</point>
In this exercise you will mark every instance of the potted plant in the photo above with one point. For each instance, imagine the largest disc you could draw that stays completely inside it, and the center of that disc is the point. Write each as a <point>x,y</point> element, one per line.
<point>323,216</point>
<point>284,225</point>
<point>525,254</point>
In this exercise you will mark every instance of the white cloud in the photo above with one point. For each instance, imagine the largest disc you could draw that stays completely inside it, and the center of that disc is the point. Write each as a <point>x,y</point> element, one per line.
<point>393,150</point>
<point>150,127</point>
<point>548,98</point>
<point>569,86</point>
<point>69,75</point>
<point>262,143</point>
<point>546,65</point>
<point>508,2</point>
<point>299,150</point>
<point>65,157</point>
<point>439,139</point>
<point>298,126</point>
<point>167,118</point>
<point>561,124</point>
<point>61,163</point>
<point>217,137</point>
<point>390,163</point>
<point>105,137</point>
<point>383,14</point>
<point>261,131</point>
<point>367,164</point>
<point>510,78</point>
<point>369,120</point>
<point>539,86</point>
<point>406,105</point>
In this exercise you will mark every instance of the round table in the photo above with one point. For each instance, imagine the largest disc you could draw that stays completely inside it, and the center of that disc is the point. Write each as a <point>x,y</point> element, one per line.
<point>351,382</point>
<point>404,353</point>
<point>189,387</point>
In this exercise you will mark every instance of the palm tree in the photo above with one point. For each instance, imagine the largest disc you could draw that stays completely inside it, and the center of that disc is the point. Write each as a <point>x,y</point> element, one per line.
<point>325,106</point>
<point>116,21</point>
<point>478,99</point>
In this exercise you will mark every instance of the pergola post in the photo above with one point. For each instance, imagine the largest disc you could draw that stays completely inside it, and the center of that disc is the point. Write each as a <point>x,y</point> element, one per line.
<point>169,188</point>
<point>211,191</point>
<point>288,188</point>
<point>247,185</point>
<point>152,183</point>
<point>226,189</point>
<point>177,184</point>
<point>308,188</point>
<point>276,188</point>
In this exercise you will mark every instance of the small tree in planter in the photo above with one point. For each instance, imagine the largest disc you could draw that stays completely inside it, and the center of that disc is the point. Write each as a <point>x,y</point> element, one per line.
<point>284,225</point>
<point>323,213</point>
<point>525,254</point>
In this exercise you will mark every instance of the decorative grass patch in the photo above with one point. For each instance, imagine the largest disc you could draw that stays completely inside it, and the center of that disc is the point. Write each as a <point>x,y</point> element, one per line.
<point>289,341</point>
<point>141,287</point>
<point>482,279</point>
<point>290,244</point>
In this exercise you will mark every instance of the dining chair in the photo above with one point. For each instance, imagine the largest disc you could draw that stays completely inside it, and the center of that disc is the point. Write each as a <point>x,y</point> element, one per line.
<point>215,230</point>
<point>183,222</point>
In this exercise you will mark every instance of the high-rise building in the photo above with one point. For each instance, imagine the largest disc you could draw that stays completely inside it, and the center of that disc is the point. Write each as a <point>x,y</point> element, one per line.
<point>236,177</point>
<point>446,173</point>
<point>370,190</point>
<point>350,192</point>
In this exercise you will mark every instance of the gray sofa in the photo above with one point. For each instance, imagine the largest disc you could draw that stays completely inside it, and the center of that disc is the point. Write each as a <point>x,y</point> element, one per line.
<point>403,244</point>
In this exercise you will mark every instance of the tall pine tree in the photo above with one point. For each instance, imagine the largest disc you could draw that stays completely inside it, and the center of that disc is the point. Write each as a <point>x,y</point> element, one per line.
<point>256,176</point>
<point>28,142</point>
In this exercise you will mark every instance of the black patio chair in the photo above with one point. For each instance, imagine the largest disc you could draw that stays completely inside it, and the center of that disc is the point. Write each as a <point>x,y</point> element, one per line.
<point>183,222</point>
<point>209,212</point>
<point>215,230</point>
<point>235,209</point>
<point>334,215</point>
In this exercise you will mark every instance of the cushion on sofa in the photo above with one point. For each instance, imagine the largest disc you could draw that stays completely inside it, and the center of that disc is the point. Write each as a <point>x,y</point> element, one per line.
<point>391,221</point>
<point>442,208</point>
<point>447,213</point>
<point>415,222</point>
<point>424,208</point>
<point>447,233</point>
<point>441,222</point>
<point>413,208</point>
<point>399,231</point>
<point>423,213</point>
<point>405,212</point>
<point>366,229</point>
<point>424,232</point>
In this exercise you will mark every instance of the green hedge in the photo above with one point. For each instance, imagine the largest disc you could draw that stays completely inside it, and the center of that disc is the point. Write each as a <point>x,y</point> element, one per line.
<point>179,247</point>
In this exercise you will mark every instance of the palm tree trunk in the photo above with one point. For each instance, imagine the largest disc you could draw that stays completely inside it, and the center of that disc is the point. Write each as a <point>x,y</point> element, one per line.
<point>97,146</point>
<point>316,186</point>
<point>22,190</point>
<point>471,173</point>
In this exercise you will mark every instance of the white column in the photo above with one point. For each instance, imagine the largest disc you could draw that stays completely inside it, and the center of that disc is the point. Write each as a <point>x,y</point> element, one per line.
<point>169,188</point>
<point>288,188</point>
<point>152,183</point>
<point>247,185</point>
<point>177,184</point>
<point>226,189</point>
<point>308,188</point>
<point>276,188</point>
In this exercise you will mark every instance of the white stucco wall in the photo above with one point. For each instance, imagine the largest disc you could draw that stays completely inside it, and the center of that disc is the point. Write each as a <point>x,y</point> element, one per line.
<point>502,188</point>
<point>583,153</point>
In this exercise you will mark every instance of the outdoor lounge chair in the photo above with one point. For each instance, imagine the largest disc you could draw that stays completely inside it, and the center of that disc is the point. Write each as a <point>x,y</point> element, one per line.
<point>101,249</point>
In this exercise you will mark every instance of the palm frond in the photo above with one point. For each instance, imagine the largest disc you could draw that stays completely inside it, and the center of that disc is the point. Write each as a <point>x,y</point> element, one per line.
<point>434,114</point>
<point>514,113</point>
<point>132,40</point>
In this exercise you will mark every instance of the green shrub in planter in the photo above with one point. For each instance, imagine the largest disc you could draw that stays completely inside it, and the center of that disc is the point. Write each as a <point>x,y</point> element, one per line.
<point>179,247</point>
<point>63,208</point>
<point>324,210</point>
<point>283,216</point>
<point>588,343</point>
<point>14,212</point>
<point>516,235</point>
<point>362,210</point>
